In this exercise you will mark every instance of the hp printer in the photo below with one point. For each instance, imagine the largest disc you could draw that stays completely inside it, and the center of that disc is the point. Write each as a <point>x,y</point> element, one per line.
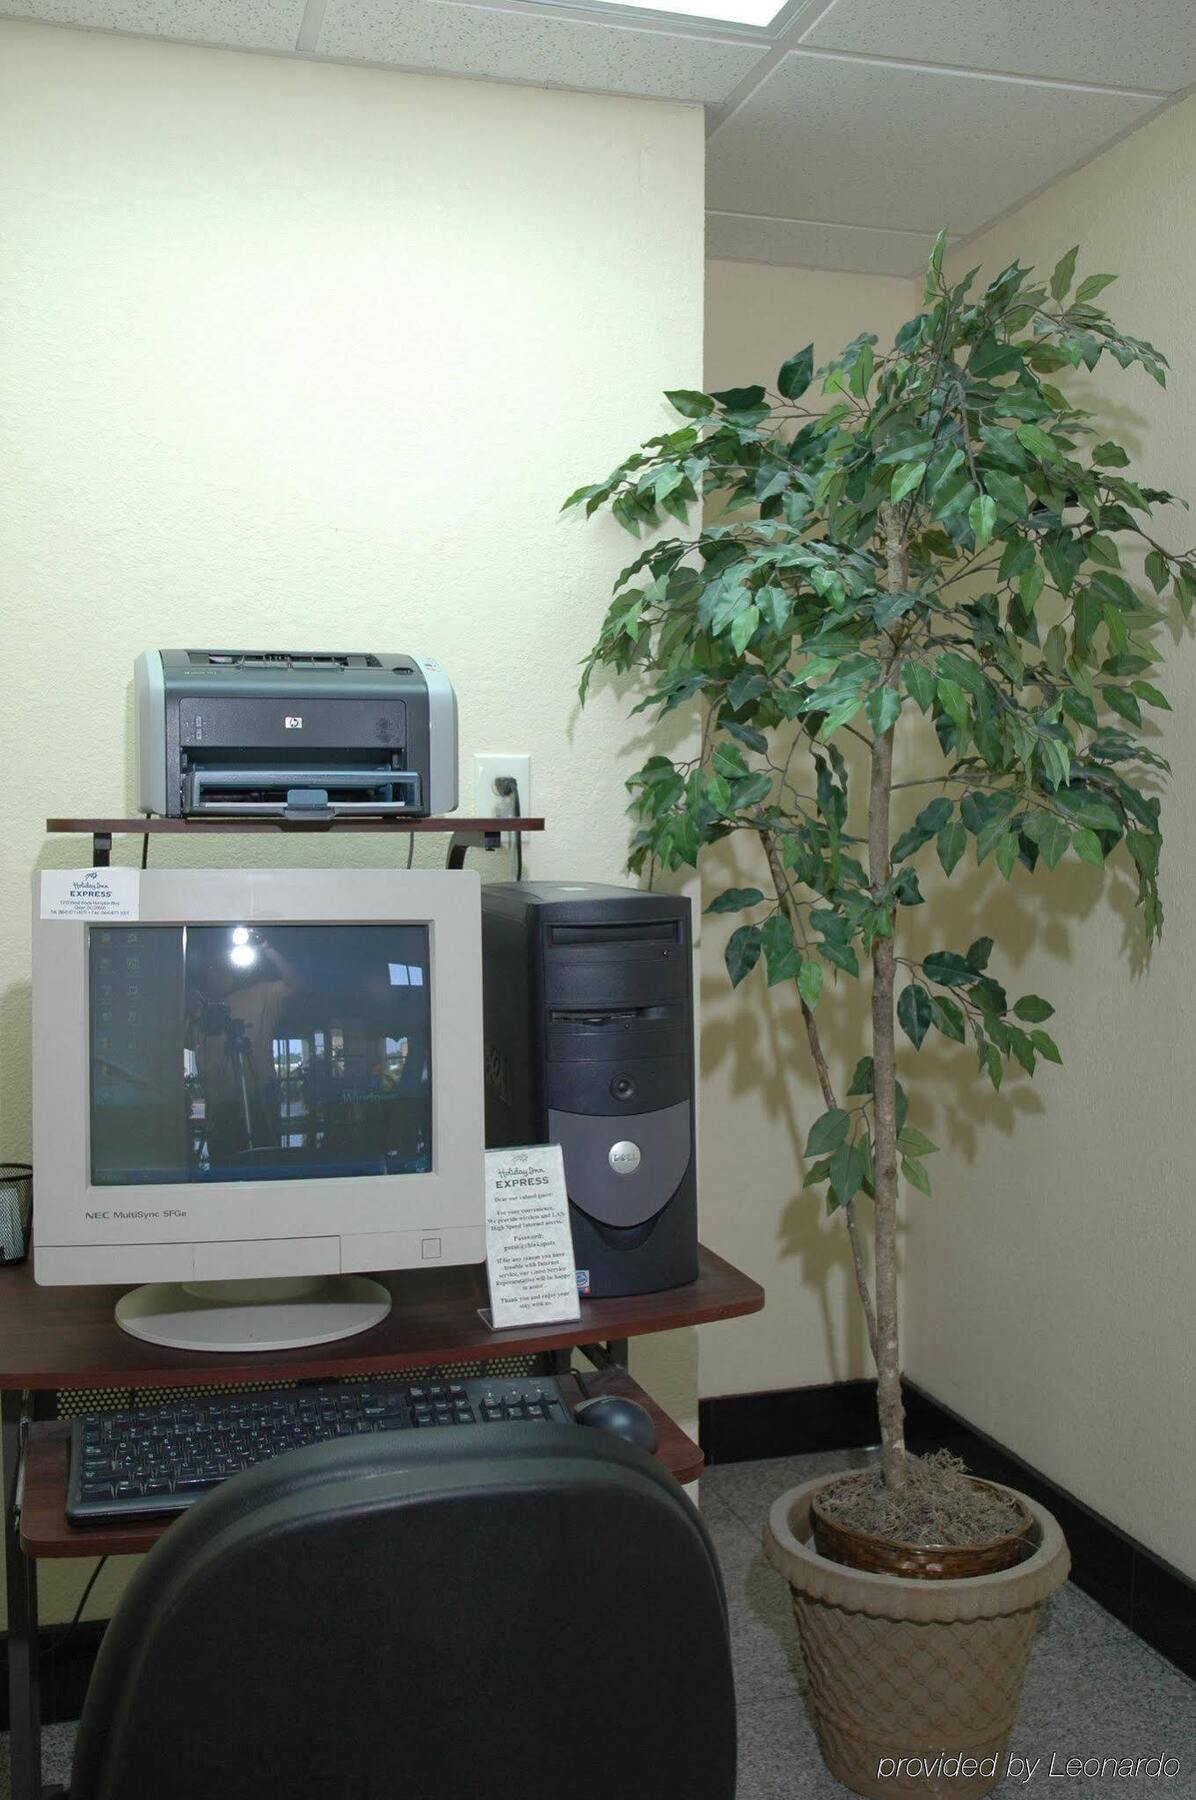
<point>294,734</point>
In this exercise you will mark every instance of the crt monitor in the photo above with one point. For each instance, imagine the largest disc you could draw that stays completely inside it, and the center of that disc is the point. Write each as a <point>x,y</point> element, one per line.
<point>254,1081</point>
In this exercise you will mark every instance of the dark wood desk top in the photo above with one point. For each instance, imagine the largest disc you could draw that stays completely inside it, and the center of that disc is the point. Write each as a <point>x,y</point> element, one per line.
<point>52,1337</point>
<point>46,1532</point>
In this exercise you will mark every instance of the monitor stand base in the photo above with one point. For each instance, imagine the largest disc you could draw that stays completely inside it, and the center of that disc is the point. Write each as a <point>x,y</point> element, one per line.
<point>237,1316</point>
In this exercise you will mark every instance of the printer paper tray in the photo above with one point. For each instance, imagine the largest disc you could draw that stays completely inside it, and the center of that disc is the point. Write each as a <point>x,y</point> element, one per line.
<point>311,792</point>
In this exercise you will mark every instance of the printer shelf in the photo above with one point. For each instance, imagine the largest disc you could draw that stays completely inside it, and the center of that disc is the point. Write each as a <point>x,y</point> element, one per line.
<point>482,834</point>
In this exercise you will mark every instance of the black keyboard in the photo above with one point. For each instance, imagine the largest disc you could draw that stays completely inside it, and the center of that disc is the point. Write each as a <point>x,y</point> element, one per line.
<point>151,1460</point>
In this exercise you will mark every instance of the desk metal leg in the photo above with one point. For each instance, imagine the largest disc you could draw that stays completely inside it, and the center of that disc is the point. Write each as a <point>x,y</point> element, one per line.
<point>24,1700</point>
<point>611,1355</point>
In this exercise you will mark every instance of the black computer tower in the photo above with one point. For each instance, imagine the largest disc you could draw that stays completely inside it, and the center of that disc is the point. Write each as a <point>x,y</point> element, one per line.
<point>589,1043</point>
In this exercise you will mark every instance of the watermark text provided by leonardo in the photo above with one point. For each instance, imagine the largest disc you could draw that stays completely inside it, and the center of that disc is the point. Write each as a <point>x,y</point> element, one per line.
<point>1052,1767</point>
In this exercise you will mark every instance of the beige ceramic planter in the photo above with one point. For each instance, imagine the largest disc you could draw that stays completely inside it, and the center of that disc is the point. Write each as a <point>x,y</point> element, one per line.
<point>914,1684</point>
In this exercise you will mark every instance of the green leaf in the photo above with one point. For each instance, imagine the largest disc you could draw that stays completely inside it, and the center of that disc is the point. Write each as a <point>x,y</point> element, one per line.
<point>781,954</point>
<point>742,952</point>
<point>796,374</point>
<point>1061,275</point>
<point>1033,1009</point>
<point>828,1132</point>
<point>915,1173</point>
<point>1008,493</point>
<point>1038,443</point>
<point>1087,847</point>
<point>743,628</point>
<point>915,1142</point>
<point>742,399</point>
<point>1152,696</point>
<point>735,899</point>
<point>1053,839</point>
<point>952,841</point>
<point>689,403</point>
<point>842,955</point>
<point>982,517</point>
<point>934,269</point>
<point>1006,853</point>
<point>838,715</point>
<point>948,968</point>
<point>1030,585</point>
<point>809,981</point>
<point>992,1062</point>
<point>848,1168</point>
<point>1110,456</point>
<point>906,477</point>
<point>1092,285</point>
<point>948,1017</point>
<point>930,820</point>
<point>1102,549</point>
<point>1046,1046</point>
<point>914,1013</point>
<point>977,954</point>
<point>1123,702</point>
<point>728,760</point>
<point>883,707</point>
<point>861,1080</point>
<point>751,790</point>
<point>1157,572</point>
<point>954,701</point>
<point>919,683</point>
<point>774,606</point>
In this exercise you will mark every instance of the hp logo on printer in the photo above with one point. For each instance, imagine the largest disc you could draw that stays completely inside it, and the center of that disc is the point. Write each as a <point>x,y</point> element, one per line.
<point>293,722</point>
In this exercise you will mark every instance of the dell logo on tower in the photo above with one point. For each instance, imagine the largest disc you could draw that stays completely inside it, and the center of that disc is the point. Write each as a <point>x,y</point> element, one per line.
<point>624,1157</point>
<point>293,723</point>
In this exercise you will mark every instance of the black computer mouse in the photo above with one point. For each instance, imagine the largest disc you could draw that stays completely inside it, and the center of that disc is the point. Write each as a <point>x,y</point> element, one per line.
<point>622,1418</point>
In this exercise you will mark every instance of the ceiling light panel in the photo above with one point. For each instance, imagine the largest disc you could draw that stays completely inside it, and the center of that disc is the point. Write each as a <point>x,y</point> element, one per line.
<point>722,12</point>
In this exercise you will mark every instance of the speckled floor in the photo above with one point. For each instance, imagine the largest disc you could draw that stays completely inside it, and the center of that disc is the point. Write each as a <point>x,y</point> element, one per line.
<point>1093,1689</point>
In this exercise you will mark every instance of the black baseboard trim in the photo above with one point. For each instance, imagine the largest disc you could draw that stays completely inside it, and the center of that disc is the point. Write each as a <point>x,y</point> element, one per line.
<point>1155,1600</point>
<point>65,1670</point>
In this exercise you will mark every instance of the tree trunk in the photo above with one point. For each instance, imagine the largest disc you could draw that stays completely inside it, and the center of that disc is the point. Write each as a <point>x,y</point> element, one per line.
<point>854,1235</point>
<point>884,1072</point>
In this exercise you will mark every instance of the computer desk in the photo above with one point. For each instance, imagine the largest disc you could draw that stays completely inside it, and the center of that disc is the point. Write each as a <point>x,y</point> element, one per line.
<point>63,1338</point>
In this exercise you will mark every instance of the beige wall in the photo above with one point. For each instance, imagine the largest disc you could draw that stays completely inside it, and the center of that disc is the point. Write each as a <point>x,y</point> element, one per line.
<point>309,355</point>
<point>758,1097</point>
<point>1050,1280</point>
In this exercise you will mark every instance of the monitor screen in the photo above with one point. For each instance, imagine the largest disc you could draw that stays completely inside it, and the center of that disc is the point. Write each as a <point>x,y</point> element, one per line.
<point>259,1052</point>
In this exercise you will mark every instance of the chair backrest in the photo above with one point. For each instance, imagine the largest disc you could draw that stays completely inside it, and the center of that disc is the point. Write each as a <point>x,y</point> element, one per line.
<point>514,1613</point>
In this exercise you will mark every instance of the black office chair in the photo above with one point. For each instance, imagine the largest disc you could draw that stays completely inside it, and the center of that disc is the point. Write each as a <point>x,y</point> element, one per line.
<point>507,1613</point>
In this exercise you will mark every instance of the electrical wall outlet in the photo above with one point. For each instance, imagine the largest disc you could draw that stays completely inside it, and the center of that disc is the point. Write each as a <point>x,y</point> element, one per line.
<point>489,768</point>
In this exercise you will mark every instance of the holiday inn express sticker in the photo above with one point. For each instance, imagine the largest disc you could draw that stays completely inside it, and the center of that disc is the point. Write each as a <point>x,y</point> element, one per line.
<point>91,893</point>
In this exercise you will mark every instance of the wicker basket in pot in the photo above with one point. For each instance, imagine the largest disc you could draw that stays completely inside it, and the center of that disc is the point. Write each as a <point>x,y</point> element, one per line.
<point>914,1684</point>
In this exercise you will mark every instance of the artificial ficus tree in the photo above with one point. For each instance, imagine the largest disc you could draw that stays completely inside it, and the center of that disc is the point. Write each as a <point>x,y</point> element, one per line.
<point>942,538</point>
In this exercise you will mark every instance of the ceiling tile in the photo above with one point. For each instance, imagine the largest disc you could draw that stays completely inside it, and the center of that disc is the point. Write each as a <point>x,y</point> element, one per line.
<point>1122,43</point>
<point>244,24</point>
<point>867,143</point>
<point>745,237</point>
<point>507,45</point>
